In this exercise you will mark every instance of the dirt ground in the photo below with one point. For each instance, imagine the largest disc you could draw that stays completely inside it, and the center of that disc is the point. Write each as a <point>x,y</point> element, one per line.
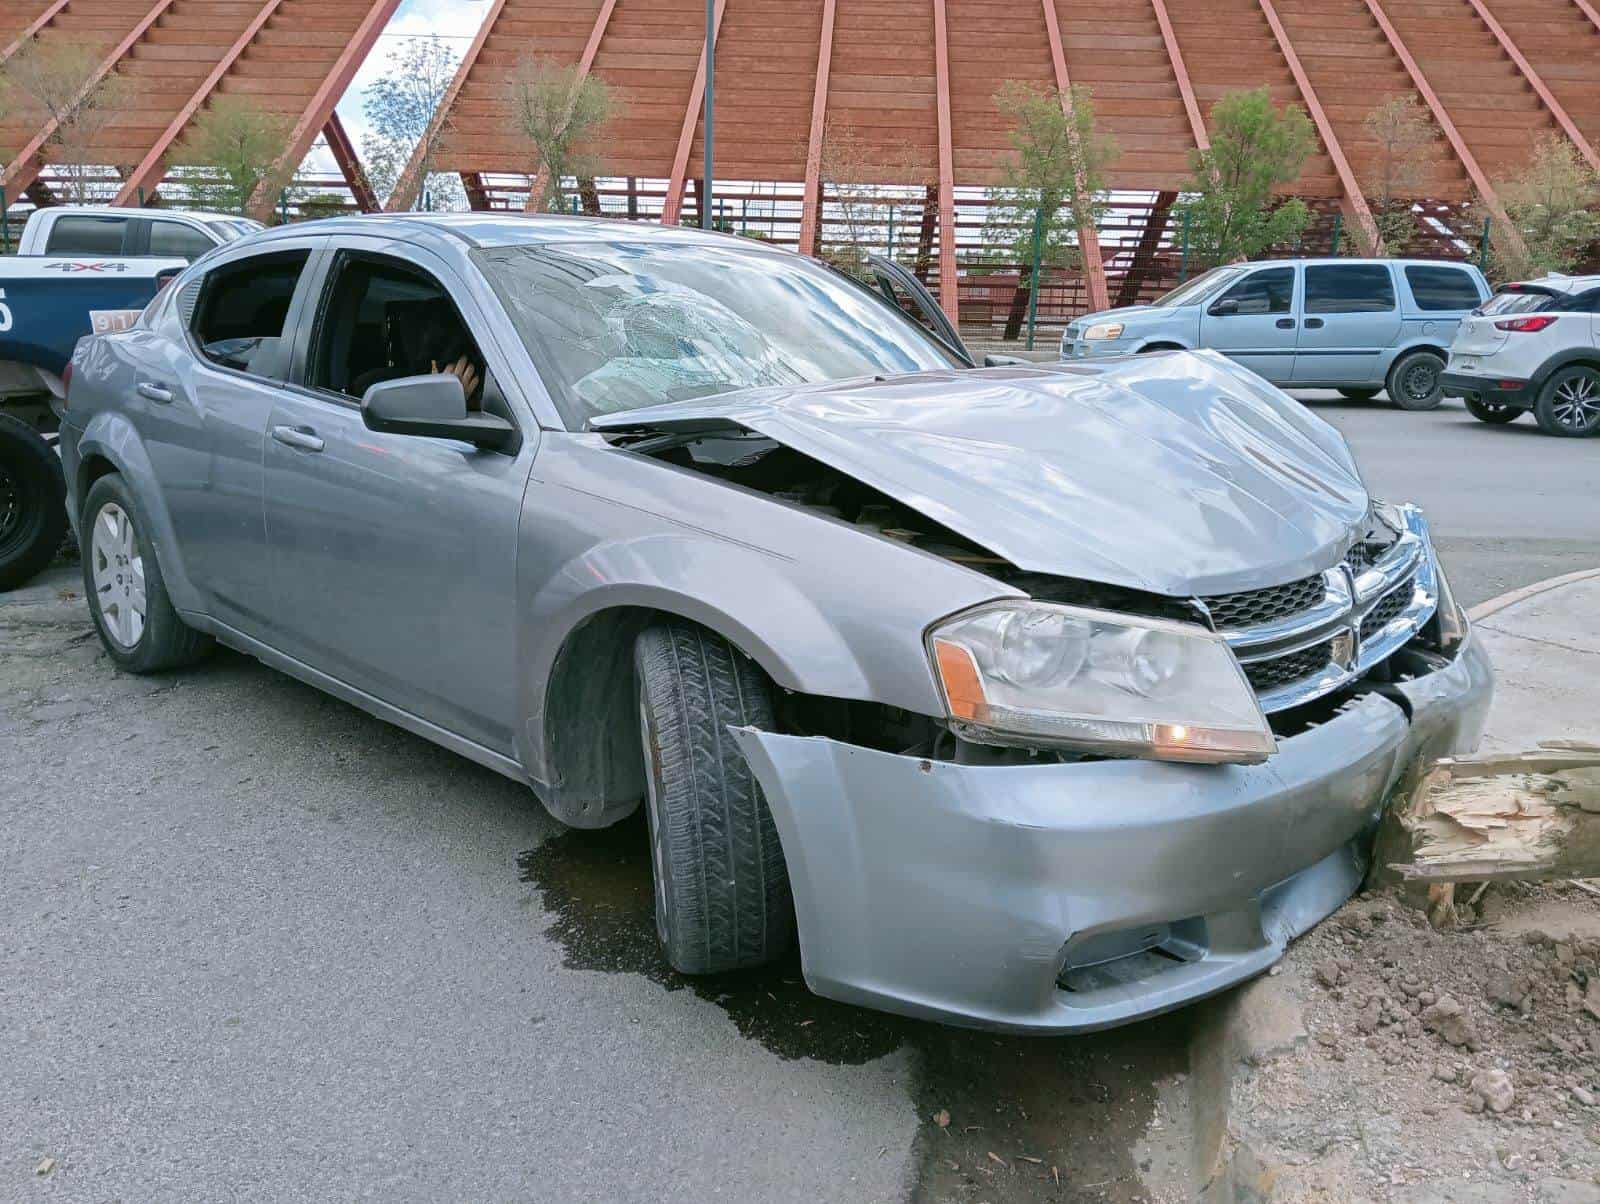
<point>1457,1065</point>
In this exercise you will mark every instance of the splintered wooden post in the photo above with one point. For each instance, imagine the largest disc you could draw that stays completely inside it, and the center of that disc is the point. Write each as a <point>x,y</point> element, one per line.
<point>1532,815</point>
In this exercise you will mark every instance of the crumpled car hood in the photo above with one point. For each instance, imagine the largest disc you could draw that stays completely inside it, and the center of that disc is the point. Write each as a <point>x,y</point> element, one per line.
<point>1178,472</point>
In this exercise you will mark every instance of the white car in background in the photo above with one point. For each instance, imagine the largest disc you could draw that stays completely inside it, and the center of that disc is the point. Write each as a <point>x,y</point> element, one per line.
<point>1534,346</point>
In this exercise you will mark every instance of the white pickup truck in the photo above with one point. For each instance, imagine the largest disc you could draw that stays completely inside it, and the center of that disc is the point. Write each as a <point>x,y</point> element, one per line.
<point>79,270</point>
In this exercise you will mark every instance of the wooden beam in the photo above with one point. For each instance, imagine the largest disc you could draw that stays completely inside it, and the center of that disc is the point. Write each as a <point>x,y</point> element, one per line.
<point>34,26</point>
<point>152,169</point>
<point>24,168</point>
<point>1094,268</point>
<point>590,49</point>
<point>1532,76</point>
<point>1480,181</point>
<point>1588,10</point>
<point>811,205</point>
<point>319,108</point>
<point>1355,205</point>
<point>1144,253</point>
<point>344,154</point>
<point>1197,123</point>
<point>673,205</point>
<point>949,287</point>
<point>477,194</point>
<point>409,182</point>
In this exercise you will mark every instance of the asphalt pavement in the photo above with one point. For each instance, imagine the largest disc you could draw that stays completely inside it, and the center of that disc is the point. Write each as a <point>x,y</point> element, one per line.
<point>255,945</point>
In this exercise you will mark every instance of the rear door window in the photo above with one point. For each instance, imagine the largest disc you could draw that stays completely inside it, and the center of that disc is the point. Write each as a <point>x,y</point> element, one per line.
<point>86,234</point>
<point>1515,301</point>
<point>239,320</point>
<point>175,240</point>
<point>1441,288</point>
<point>1349,288</point>
<point>1270,291</point>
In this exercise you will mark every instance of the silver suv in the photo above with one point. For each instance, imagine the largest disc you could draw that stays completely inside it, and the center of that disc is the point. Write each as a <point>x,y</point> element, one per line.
<point>1533,346</point>
<point>1356,325</point>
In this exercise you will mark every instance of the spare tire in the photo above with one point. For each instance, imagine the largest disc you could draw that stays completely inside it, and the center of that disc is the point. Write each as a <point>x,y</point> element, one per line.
<point>33,503</point>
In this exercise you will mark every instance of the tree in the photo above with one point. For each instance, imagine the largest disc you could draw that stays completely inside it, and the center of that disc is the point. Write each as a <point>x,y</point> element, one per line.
<point>56,83</point>
<point>400,107</point>
<point>555,111</point>
<point>232,147</point>
<point>856,198</point>
<point>1255,149</point>
<point>1055,176</point>
<point>1406,142</point>
<point>1551,204</point>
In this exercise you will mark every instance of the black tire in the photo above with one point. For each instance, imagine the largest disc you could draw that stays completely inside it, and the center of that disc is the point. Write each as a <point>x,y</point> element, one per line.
<point>1359,394</point>
<point>1493,412</point>
<point>1416,381</point>
<point>1569,403</point>
<point>721,885</point>
<point>33,503</point>
<point>161,641</point>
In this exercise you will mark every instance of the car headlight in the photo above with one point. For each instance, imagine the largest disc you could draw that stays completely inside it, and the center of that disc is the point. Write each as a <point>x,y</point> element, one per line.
<point>1104,330</point>
<point>1039,673</point>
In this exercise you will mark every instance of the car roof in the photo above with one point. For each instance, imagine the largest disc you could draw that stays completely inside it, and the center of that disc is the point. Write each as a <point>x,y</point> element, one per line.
<point>1556,283</point>
<point>1344,259</point>
<point>506,229</point>
<point>133,211</point>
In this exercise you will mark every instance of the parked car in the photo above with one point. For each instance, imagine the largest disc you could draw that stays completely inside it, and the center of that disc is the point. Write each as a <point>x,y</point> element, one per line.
<point>81,268</point>
<point>1355,325</point>
<point>1533,346</point>
<point>1037,697</point>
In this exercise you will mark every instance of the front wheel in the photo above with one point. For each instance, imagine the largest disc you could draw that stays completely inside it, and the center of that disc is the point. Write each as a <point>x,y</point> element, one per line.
<point>1358,394</point>
<point>128,601</point>
<point>1493,412</point>
<point>1569,403</point>
<point>721,885</point>
<point>1416,382</point>
<point>33,503</point>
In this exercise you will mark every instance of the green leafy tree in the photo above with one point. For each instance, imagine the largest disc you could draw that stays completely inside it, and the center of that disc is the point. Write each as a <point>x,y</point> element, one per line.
<point>400,107</point>
<point>554,112</point>
<point>856,201</point>
<point>1256,148</point>
<point>230,150</point>
<point>1406,144</point>
<point>1054,176</point>
<point>1552,205</point>
<point>54,81</point>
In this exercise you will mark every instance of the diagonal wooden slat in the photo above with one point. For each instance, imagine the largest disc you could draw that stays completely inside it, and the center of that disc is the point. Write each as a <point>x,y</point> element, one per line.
<point>148,175</point>
<point>1180,72</point>
<point>1589,11</point>
<point>1094,268</point>
<point>319,108</point>
<point>811,205</point>
<point>673,205</point>
<point>591,48</point>
<point>33,28</point>
<point>949,286</point>
<point>24,168</point>
<point>349,161</point>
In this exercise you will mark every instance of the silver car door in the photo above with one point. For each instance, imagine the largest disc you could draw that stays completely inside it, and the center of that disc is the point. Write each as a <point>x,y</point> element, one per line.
<point>394,556</point>
<point>1253,321</point>
<point>1351,317</point>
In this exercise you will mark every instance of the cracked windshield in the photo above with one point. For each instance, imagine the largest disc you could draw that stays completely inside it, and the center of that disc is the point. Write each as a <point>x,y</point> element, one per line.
<point>616,327</point>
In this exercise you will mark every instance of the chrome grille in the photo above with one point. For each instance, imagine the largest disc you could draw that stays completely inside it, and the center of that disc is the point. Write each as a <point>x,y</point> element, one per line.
<point>1390,605</point>
<point>1282,670</point>
<point>1257,606</point>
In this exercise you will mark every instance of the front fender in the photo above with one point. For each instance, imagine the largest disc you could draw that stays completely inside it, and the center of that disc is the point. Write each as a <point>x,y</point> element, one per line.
<point>110,436</point>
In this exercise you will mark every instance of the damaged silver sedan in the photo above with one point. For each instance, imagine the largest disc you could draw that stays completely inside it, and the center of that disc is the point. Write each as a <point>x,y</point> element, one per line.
<point>1031,697</point>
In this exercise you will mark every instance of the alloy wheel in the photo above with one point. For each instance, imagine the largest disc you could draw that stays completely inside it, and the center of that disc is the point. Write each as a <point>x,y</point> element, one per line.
<point>1576,404</point>
<point>118,571</point>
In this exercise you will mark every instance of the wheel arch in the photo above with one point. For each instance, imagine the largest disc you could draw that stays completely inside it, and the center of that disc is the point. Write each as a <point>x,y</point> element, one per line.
<point>1161,344</point>
<point>1588,357</point>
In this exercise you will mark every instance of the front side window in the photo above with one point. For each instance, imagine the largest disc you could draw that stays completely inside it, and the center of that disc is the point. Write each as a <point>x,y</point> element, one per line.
<point>174,240</point>
<point>1441,288</point>
<point>1349,288</point>
<point>243,307</point>
<point>86,234</point>
<point>618,326</point>
<point>1270,291</point>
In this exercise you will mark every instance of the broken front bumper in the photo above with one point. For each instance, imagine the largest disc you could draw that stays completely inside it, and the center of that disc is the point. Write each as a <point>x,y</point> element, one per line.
<point>1068,897</point>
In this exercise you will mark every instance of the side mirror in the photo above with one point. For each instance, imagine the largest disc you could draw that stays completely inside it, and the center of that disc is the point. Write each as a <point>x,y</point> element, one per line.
<point>433,405</point>
<point>1224,309</point>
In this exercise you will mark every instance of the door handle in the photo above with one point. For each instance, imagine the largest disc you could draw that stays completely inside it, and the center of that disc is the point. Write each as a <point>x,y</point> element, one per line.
<point>154,392</point>
<point>300,437</point>
<point>1287,323</point>
<point>1313,323</point>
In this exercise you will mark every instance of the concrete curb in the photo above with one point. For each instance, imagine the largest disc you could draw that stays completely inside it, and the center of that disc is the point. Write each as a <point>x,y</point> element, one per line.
<point>1511,597</point>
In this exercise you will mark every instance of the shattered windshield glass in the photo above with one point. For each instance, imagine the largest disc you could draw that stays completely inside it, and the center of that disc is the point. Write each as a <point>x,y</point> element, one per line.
<point>619,326</point>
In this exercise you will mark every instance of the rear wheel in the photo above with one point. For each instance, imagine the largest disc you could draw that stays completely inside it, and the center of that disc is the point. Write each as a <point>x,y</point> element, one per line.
<point>1569,403</point>
<point>128,600</point>
<point>721,885</point>
<point>1359,394</point>
<point>33,503</point>
<point>1416,382</point>
<point>1493,412</point>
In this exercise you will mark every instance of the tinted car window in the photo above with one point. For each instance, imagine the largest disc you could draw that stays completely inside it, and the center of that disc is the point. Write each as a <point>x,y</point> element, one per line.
<point>86,234</point>
<point>1587,302</point>
<point>239,320</point>
<point>1349,288</point>
<point>1441,288</point>
<point>1515,301</point>
<point>174,240</point>
<point>1266,292</point>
